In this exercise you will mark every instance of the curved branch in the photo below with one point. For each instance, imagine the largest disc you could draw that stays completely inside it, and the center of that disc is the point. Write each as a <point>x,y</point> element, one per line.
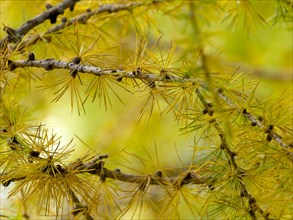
<point>15,35</point>
<point>82,19</point>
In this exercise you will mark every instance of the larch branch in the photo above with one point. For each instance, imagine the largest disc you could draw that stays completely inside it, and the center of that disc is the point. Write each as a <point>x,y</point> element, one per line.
<point>15,35</point>
<point>50,64</point>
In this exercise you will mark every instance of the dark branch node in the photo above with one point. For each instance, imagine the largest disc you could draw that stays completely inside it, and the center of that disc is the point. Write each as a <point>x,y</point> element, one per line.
<point>73,73</point>
<point>11,65</point>
<point>137,71</point>
<point>260,118</point>
<point>208,109</point>
<point>269,138</point>
<point>233,154</point>
<point>96,168</point>
<point>205,111</point>
<point>220,90</point>
<point>48,6</point>
<point>119,79</point>
<point>64,19</point>
<point>244,111</point>
<point>48,67</point>
<point>242,173</point>
<point>211,187</point>
<point>103,178</point>
<point>88,10</point>
<point>270,128</point>
<point>31,56</point>
<point>222,146</point>
<point>14,141</point>
<point>251,200</point>
<point>251,213</point>
<point>71,7</point>
<point>211,113</point>
<point>167,77</point>
<point>158,173</point>
<point>53,17</point>
<point>117,171</point>
<point>4,130</point>
<point>212,120</point>
<point>34,153</point>
<point>187,178</point>
<point>163,72</point>
<point>253,123</point>
<point>76,60</point>
<point>103,156</point>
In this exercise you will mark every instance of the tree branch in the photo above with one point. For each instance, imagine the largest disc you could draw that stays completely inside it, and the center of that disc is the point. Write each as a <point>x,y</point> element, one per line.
<point>50,64</point>
<point>15,35</point>
<point>82,19</point>
<point>257,121</point>
<point>188,177</point>
<point>97,167</point>
<point>253,206</point>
